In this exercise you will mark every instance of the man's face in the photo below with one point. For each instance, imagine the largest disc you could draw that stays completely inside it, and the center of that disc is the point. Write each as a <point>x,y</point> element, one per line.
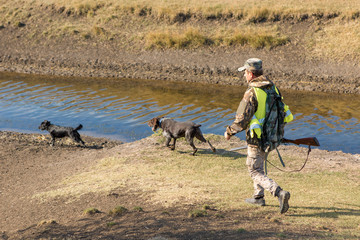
<point>248,75</point>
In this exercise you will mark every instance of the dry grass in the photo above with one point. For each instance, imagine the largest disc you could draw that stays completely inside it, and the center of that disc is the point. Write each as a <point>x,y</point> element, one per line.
<point>345,46</point>
<point>173,178</point>
<point>208,8</point>
<point>194,38</point>
<point>167,24</point>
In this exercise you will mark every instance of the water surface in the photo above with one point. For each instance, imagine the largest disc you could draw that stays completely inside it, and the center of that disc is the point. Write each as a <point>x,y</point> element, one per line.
<point>120,108</point>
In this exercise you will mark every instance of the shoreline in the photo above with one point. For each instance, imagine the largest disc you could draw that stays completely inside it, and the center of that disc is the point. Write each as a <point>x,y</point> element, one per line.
<point>211,73</point>
<point>118,141</point>
<point>287,66</point>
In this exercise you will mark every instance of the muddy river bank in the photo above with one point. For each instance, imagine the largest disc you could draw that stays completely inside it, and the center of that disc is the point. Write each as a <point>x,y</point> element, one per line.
<point>120,109</point>
<point>289,66</point>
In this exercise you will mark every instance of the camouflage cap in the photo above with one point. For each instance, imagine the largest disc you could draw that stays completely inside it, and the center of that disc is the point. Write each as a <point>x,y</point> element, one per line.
<point>251,64</point>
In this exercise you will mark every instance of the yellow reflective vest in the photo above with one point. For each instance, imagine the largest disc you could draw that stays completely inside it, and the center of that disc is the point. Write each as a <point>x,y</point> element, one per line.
<point>257,121</point>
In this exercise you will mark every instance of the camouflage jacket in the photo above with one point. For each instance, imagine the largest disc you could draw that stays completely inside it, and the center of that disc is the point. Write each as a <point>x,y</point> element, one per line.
<point>247,108</point>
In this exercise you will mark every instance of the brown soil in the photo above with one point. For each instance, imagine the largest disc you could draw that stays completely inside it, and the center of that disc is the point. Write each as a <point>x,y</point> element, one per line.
<point>289,66</point>
<point>29,165</point>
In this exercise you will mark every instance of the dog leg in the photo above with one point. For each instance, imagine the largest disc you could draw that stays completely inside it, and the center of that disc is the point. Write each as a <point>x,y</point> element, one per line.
<point>190,140</point>
<point>200,136</point>
<point>212,148</point>
<point>79,140</point>
<point>76,137</point>
<point>52,143</point>
<point>173,145</point>
<point>167,142</point>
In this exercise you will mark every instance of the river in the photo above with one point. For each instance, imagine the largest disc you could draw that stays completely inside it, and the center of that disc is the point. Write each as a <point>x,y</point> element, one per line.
<point>120,108</point>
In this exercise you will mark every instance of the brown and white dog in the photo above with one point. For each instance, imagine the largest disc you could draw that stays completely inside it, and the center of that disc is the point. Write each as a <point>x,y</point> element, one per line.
<point>173,130</point>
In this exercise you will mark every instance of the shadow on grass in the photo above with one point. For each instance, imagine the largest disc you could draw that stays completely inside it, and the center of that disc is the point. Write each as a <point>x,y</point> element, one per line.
<point>220,152</point>
<point>172,225</point>
<point>94,147</point>
<point>330,212</point>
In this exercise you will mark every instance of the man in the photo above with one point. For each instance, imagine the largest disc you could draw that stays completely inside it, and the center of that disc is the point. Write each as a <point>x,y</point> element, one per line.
<point>247,118</point>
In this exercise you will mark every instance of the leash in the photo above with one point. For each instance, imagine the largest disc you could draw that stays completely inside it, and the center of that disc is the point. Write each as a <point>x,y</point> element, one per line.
<point>298,170</point>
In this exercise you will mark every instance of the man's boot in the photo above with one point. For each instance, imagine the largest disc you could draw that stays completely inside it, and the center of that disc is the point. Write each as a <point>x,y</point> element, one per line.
<point>256,201</point>
<point>284,197</point>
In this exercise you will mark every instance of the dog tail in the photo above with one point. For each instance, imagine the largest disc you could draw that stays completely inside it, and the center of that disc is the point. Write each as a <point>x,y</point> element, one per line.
<point>79,127</point>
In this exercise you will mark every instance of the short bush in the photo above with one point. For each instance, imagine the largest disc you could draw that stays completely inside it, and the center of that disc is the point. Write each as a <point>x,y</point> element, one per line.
<point>110,224</point>
<point>197,213</point>
<point>91,211</point>
<point>119,210</point>
<point>138,209</point>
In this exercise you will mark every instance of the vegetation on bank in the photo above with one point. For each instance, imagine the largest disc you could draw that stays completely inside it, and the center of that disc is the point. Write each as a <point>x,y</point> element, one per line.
<point>220,180</point>
<point>191,24</point>
<point>193,38</point>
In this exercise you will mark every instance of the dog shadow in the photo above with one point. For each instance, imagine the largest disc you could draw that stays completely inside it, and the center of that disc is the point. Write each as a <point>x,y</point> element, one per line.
<point>76,146</point>
<point>219,152</point>
<point>95,147</point>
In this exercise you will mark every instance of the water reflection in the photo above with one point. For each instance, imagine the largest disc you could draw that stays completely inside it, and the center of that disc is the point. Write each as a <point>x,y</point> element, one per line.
<point>120,108</point>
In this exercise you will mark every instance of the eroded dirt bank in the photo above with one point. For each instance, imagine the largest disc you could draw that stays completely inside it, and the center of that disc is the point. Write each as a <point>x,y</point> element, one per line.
<point>286,65</point>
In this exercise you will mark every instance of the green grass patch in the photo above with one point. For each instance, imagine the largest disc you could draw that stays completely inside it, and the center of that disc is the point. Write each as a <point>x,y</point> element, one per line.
<point>91,211</point>
<point>138,209</point>
<point>241,230</point>
<point>119,210</point>
<point>198,213</point>
<point>111,224</point>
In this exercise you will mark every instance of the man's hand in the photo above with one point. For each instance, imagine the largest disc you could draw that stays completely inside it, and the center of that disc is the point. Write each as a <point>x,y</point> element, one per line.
<point>227,136</point>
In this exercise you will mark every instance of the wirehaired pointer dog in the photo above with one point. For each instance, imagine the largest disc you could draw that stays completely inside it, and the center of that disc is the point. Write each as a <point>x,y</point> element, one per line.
<point>173,130</point>
<point>60,132</point>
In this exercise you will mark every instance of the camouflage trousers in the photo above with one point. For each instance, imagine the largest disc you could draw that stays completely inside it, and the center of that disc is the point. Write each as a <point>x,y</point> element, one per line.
<point>255,162</point>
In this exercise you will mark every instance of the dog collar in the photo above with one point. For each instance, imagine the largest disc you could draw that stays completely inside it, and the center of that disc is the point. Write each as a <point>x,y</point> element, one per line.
<point>161,121</point>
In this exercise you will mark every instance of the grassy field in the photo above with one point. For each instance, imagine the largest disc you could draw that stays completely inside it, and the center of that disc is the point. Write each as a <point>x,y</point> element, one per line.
<point>148,24</point>
<point>324,199</point>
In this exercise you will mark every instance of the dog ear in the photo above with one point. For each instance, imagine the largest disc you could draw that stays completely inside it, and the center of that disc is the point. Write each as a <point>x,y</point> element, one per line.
<point>151,122</point>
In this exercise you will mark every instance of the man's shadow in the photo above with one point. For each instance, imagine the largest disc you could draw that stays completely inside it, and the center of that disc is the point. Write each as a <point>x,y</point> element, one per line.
<point>328,212</point>
<point>324,212</point>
